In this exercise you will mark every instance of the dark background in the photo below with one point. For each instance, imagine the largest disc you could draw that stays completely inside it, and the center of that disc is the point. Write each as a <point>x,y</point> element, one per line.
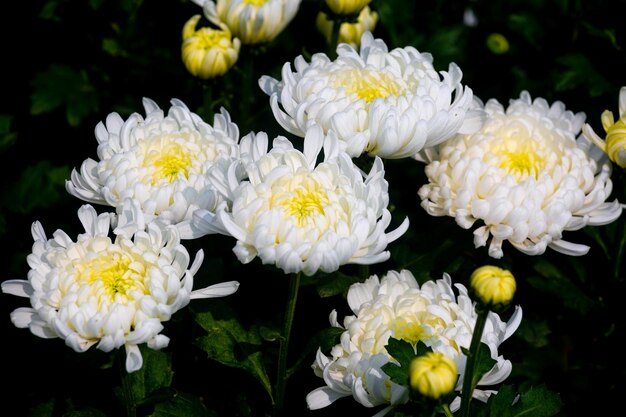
<point>67,64</point>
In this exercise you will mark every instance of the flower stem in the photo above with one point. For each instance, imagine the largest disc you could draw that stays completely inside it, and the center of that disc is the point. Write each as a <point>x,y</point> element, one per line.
<point>294,284</point>
<point>468,378</point>
<point>446,410</point>
<point>334,37</point>
<point>127,389</point>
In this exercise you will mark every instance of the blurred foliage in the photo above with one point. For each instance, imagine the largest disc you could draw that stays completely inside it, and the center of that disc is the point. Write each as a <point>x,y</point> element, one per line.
<point>80,61</point>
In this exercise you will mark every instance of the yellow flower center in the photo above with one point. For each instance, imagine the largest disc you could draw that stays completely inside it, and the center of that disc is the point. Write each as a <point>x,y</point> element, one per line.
<point>519,157</point>
<point>171,161</point>
<point>412,329</point>
<point>112,275</point>
<point>305,203</point>
<point>255,2</point>
<point>367,84</point>
<point>411,332</point>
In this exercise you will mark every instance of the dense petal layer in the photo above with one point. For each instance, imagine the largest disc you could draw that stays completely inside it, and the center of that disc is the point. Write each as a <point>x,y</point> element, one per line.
<point>107,292</point>
<point>163,162</point>
<point>396,306</point>
<point>386,103</point>
<point>527,176</point>
<point>301,215</point>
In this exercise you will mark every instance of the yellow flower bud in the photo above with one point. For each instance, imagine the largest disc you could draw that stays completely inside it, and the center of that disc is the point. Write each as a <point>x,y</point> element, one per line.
<point>346,7</point>
<point>207,52</point>
<point>349,33</point>
<point>433,374</point>
<point>614,144</point>
<point>497,43</point>
<point>493,285</point>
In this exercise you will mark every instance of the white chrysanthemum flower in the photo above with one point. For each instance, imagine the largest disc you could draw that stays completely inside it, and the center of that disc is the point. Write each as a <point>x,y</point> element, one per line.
<point>252,21</point>
<point>525,176</point>
<point>614,143</point>
<point>104,292</point>
<point>389,104</point>
<point>301,215</point>
<point>396,306</point>
<point>164,162</point>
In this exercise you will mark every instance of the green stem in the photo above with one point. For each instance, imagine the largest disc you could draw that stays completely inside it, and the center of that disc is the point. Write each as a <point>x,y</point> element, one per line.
<point>446,410</point>
<point>334,38</point>
<point>207,88</point>
<point>127,389</point>
<point>468,378</point>
<point>294,284</point>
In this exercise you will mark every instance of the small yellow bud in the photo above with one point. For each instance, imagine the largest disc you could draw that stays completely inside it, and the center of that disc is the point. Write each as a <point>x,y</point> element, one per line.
<point>346,7</point>
<point>349,33</point>
<point>493,285</point>
<point>497,43</point>
<point>206,52</point>
<point>433,374</point>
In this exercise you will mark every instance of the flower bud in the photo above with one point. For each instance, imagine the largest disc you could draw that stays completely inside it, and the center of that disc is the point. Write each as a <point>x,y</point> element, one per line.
<point>433,374</point>
<point>614,144</point>
<point>349,33</point>
<point>493,285</point>
<point>206,52</point>
<point>346,7</point>
<point>498,43</point>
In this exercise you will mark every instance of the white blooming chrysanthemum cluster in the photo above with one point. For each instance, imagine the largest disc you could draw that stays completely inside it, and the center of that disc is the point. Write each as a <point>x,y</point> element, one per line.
<point>104,292</point>
<point>301,215</point>
<point>526,176</point>
<point>380,102</point>
<point>116,292</point>
<point>163,162</point>
<point>395,306</point>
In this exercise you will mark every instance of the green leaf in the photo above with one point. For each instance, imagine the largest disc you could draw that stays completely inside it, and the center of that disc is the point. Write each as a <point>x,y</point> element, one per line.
<point>484,362</point>
<point>336,284</point>
<point>182,405</point>
<point>528,26</point>
<point>87,412</point>
<point>324,340</point>
<point>552,280</point>
<point>229,343</point>
<point>535,332</point>
<point>154,375</point>
<point>581,73</point>
<point>7,137</point>
<point>403,352</point>
<point>536,402</point>
<point>61,86</point>
<point>41,185</point>
<point>45,409</point>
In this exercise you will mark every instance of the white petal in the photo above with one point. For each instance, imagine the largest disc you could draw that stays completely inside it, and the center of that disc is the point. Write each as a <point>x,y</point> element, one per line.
<point>217,290</point>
